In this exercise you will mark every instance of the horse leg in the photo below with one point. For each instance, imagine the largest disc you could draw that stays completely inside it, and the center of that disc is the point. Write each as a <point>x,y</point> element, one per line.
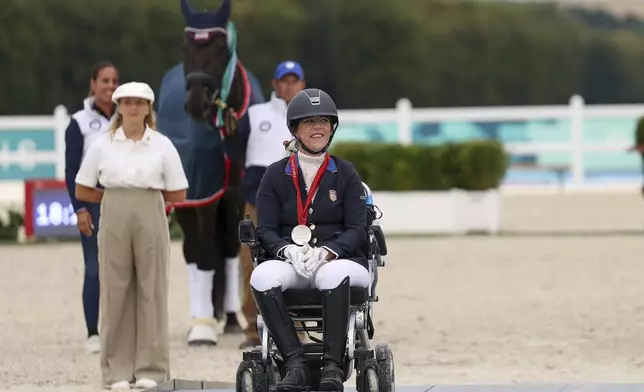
<point>187,219</point>
<point>200,276</point>
<point>217,259</point>
<point>249,308</point>
<point>232,213</point>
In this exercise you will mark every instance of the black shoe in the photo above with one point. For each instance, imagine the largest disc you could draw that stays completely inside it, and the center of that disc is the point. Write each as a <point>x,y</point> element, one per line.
<point>295,380</point>
<point>272,307</point>
<point>336,326</point>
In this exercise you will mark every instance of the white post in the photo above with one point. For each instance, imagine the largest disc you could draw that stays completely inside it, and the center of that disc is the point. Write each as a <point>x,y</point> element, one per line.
<point>577,140</point>
<point>403,116</point>
<point>61,120</point>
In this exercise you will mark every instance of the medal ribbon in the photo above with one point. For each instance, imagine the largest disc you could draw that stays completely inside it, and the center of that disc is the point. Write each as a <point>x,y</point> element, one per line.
<point>303,210</point>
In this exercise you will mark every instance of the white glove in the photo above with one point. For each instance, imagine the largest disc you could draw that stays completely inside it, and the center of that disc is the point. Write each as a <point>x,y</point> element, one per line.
<point>298,255</point>
<point>317,260</point>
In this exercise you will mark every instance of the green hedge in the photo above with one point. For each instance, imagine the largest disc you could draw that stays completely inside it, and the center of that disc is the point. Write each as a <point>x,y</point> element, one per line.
<point>639,132</point>
<point>475,165</point>
<point>175,229</point>
<point>9,228</point>
<point>639,139</point>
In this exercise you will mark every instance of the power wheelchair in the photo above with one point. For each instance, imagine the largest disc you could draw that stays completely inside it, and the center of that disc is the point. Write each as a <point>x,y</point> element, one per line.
<point>262,366</point>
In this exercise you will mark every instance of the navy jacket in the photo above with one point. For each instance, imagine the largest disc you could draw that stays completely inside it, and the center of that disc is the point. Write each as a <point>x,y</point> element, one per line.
<point>74,146</point>
<point>339,210</point>
<point>73,157</point>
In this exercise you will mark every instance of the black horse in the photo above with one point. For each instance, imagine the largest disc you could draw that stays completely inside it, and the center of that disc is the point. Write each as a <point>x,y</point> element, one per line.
<point>215,91</point>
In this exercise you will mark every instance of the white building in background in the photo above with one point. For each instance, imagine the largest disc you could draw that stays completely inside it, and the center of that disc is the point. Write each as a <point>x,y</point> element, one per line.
<point>617,7</point>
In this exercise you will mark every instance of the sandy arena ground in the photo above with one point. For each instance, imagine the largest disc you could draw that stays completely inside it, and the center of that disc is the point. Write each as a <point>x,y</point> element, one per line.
<point>506,309</point>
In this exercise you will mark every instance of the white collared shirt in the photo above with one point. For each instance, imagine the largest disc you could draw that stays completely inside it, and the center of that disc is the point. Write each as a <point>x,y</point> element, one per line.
<point>268,131</point>
<point>118,162</point>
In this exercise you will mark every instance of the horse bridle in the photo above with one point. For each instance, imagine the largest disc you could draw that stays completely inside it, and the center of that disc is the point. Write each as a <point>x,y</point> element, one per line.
<point>225,116</point>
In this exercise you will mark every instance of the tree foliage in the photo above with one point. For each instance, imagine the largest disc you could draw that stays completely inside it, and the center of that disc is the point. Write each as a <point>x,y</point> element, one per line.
<point>365,53</point>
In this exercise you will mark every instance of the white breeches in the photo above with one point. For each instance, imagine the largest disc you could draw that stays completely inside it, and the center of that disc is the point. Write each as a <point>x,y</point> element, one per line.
<point>274,273</point>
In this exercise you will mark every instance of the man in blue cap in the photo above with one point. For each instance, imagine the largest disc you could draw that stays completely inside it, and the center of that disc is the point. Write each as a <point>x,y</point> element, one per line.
<point>268,132</point>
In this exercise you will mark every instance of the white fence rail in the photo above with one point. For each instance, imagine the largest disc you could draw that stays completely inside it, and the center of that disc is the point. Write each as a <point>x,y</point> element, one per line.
<point>24,151</point>
<point>27,141</point>
<point>576,112</point>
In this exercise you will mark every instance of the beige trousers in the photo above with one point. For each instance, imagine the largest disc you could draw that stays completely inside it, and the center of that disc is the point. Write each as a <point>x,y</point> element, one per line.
<point>133,256</point>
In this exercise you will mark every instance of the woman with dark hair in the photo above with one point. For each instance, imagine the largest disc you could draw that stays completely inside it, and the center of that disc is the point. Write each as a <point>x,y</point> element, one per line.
<point>84,127</point>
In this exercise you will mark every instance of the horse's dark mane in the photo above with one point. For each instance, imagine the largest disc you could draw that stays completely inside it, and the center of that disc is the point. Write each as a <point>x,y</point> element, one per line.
<point>211,56</point>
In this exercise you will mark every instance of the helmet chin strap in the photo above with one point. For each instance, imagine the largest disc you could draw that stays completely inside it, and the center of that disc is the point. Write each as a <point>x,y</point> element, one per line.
<point>310,150</point>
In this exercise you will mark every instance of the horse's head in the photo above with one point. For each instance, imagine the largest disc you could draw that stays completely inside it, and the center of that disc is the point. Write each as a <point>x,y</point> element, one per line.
<point>206,54</point>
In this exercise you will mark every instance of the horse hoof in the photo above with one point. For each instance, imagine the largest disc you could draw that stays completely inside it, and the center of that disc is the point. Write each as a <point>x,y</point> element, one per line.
<point>233,329</point>
<point>202,335</point>
<point>232,324</point>
<point>202,343</point>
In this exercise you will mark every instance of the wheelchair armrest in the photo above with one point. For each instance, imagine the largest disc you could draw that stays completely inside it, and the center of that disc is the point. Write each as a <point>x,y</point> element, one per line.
<point>248,237</point>
<point>247,233</point>
<point>380,239</point>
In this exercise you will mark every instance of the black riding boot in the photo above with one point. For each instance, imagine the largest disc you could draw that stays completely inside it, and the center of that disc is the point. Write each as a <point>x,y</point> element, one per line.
<point>272,307</point>
<point>336,325</point>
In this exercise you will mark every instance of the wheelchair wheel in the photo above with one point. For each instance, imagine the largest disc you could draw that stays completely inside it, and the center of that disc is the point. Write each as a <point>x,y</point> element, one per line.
<point>386,369</point>
<point>370,380</point>
<point>251,377</point>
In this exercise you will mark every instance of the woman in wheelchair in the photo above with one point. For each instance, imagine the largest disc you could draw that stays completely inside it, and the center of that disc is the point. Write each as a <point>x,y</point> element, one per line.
<point>312,191</point>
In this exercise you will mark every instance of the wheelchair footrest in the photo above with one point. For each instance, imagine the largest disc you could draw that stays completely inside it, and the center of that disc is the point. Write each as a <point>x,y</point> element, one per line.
<point>253,355</point>
<point>312,351</point>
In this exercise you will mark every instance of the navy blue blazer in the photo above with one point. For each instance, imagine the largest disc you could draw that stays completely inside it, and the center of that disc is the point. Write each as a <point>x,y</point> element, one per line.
<point>338,211</point>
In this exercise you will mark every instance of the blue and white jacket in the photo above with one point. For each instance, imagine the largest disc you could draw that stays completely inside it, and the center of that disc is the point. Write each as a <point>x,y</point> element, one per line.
<point>84,127</point>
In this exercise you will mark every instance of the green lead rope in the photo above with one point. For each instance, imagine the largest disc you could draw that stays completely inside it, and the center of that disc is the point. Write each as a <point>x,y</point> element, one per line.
<point>229,73</point>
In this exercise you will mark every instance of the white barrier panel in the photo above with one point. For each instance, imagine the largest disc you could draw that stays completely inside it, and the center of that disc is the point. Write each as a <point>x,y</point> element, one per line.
<point>33,146</point>
<point>449,212</point>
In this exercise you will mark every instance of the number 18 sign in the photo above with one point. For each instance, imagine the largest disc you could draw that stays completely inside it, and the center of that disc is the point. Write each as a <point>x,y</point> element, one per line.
<point>48,210</point>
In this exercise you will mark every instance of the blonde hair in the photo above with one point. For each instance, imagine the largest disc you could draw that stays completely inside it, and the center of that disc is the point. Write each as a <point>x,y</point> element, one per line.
<point>150,120</point>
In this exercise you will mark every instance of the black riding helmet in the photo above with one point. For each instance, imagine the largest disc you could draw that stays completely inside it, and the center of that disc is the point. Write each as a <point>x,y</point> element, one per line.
<point>311,102</point>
